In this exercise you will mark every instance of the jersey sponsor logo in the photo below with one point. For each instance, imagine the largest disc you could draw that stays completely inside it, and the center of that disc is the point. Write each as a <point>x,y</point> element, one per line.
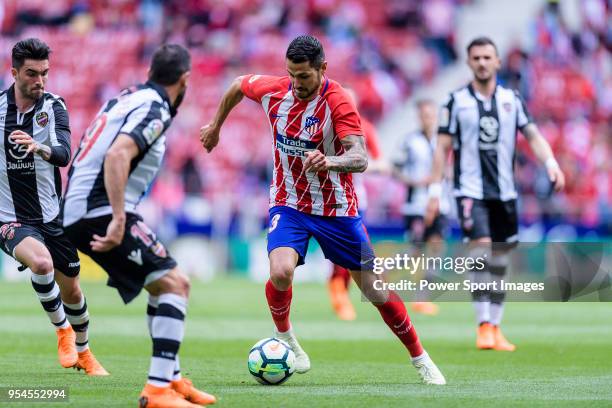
<point>20,166</point>
<point>7,231</point>
<point>135,256</point>
<point>42,118</point>
<point>312,125</point>
<point>153,130</point>
<point>489,130</point>
<point>17,151</point>
<point>294,147</point>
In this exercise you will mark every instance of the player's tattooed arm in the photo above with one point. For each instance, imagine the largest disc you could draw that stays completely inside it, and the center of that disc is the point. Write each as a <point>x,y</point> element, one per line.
<point>43,151</point>
<point>353,160</point>
<point>544,153</point>
<point>22,138</point>
<point>209,134</point>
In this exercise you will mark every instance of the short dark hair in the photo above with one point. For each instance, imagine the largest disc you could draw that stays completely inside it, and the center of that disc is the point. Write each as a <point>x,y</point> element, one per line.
<point>30,48</point>
<point>169,62</point>
<point>306,48</point>
<point>478,41</point>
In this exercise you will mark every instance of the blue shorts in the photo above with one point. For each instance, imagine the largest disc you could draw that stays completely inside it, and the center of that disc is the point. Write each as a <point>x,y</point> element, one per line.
<point>344,240</point>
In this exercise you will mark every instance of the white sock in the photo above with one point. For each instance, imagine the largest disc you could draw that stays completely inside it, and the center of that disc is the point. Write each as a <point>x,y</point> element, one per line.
<point>497,312</point>
<point>78,316</point>
<point>482,309</point>
<point>167,332</point>
<point>177,369</point>
<point>49,296</point>
<point>151,310</point>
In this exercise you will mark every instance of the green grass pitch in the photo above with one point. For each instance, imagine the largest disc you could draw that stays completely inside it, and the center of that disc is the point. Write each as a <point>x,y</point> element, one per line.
<point>564,355</point>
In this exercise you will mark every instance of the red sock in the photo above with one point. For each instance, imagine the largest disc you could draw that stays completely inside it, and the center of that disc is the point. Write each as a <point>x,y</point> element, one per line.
<point>279,302</point>
<point>342,273</point>
<point>394,313</point>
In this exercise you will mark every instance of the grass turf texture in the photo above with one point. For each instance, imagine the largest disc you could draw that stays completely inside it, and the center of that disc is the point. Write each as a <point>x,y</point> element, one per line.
<point>563,358</point>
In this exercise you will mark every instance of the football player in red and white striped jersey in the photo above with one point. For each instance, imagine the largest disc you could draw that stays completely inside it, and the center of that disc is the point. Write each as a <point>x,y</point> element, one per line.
<point>318,142</point>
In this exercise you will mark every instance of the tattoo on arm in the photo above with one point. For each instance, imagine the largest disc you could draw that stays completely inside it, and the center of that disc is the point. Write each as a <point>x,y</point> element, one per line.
<point>44,151</point>
<point>354,159</point>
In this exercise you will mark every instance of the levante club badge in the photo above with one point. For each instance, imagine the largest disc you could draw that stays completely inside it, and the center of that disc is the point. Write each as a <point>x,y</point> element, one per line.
<point>42,118</point>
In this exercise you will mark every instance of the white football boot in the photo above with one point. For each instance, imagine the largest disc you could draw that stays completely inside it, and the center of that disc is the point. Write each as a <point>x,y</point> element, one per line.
<point>428,371</point>
<point>302,362</point>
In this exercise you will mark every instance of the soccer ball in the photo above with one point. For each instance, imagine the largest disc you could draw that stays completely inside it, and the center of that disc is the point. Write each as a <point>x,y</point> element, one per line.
<point>271,361</point>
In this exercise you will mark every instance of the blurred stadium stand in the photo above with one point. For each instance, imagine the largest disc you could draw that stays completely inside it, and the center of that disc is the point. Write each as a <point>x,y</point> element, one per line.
<point>386,51</point>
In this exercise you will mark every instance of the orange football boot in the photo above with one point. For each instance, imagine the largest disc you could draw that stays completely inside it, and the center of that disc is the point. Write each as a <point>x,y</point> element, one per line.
<point>485,339</point>
<point>340,300</point>
<point>192,394</point>
<point>501,343</point>
<point>87,361</point>
<point>66,348</point>
<point>426,308</point>
<point>162,397</point>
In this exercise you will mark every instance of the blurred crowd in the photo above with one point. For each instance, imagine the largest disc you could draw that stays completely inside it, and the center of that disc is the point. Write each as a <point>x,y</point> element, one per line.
<point>566,78</point>
<point>383,50</point>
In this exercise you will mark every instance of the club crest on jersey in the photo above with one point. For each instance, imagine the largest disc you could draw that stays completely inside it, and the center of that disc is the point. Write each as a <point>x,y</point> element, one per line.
<point>312,125</point>
<point>507,107</point>
<point>153,130</point>
<point>42,118</point>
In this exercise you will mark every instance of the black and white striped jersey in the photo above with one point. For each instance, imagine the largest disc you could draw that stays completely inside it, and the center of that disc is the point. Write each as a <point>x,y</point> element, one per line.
<point>484,141</point>
<point>30,187</point>
<point>141,112</point>
<point>414,158</point>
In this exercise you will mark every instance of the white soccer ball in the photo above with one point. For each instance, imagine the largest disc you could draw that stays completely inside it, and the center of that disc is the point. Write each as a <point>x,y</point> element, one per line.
<point>271,361</point>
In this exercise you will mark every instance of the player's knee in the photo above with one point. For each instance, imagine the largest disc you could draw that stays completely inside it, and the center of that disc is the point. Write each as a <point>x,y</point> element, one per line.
<point>281,274</point>
<point>481,251</point>
<point>41,265</point>
<point>177,282</point>
<point>184,284</point>
<point>499,263</point>
<point>172,282</point>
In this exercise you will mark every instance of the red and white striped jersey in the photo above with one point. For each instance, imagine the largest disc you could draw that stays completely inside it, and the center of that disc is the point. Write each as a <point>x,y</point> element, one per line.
<point>301,126</point>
